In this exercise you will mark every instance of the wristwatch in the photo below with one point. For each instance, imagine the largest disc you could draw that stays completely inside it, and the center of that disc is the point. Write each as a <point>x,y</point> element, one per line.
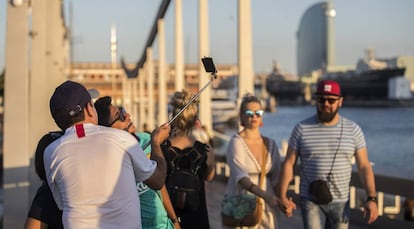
<point>176,220</point>
<point>372,198</point>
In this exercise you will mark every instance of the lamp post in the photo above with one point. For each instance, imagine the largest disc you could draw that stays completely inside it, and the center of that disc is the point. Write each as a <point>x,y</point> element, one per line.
<point>113,61</point>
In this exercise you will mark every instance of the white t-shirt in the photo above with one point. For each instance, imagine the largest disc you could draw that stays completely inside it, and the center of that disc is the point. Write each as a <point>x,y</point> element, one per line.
<point>92,172</point>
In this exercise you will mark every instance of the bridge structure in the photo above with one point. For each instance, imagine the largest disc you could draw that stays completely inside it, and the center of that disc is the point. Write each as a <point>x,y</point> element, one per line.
<point>38,58</point>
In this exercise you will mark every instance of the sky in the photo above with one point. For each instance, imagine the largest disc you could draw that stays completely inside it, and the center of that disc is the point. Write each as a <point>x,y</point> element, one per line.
<point>385,25</point>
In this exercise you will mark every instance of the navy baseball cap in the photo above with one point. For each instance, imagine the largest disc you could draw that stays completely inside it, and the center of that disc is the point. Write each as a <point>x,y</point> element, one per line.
<point>68,100</point>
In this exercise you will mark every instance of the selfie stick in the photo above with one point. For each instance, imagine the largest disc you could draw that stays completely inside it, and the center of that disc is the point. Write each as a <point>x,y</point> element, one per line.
<point>212,78</point>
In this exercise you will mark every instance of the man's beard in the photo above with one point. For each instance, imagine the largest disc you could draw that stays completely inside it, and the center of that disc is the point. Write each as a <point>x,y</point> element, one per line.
<point>325,116</point>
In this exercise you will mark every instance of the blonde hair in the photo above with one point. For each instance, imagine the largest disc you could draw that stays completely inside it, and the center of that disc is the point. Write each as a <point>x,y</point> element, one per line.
<point>186,120</point>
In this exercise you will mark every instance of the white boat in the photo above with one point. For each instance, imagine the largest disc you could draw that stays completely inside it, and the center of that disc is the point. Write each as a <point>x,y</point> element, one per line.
<point>223,110</point>
<point>223,102</point>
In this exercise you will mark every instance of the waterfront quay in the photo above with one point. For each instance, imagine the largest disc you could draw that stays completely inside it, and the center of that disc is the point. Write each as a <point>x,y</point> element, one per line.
<point>391,190</point>
<point>390,216</point>
<point>215,191</point>
<point>38,44</point>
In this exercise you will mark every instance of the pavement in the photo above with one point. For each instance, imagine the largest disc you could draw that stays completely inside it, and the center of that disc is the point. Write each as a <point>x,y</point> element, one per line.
<point>215,192</point>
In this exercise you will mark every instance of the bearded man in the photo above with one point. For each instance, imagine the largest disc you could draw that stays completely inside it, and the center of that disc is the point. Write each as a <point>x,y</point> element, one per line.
<point>326,143</point>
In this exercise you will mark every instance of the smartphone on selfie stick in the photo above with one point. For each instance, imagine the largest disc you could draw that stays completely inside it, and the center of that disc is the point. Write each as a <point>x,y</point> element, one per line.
<point>210,68</point>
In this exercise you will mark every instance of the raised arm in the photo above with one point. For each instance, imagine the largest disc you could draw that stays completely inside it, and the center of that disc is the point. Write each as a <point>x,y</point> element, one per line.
<point>157,179</point>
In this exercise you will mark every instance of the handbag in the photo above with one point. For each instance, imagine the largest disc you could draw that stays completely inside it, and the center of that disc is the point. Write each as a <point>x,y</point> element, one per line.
<point>244,209</point>
<point>320,191</point>
<point>241,210</point>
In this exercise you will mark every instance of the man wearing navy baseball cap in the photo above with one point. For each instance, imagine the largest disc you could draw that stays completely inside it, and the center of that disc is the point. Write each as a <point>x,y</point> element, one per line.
<point>325,144</point>
<point>67,103</point>
<point>92,170</point>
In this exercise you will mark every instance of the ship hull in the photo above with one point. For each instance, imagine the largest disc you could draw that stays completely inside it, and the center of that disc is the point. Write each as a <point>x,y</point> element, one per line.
<point>373,84</point>
<point>286,92</point>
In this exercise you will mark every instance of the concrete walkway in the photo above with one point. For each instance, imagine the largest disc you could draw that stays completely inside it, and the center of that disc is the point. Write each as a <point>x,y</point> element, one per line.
<point>215,191</point>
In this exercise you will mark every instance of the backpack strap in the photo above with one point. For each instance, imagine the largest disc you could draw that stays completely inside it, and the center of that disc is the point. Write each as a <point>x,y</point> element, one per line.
<point>170,154</point>
<point>194,156</point>
<point>200,157</point>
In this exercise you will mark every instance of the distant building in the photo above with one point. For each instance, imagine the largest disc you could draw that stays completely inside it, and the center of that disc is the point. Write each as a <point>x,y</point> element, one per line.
<point>316,48</point>
<point>109,81</point>
<point>408,63</point>
<point>315,39</point>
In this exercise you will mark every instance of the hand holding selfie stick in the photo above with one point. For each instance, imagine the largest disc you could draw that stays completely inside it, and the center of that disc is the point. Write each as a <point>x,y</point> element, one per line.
<point>210,68</point>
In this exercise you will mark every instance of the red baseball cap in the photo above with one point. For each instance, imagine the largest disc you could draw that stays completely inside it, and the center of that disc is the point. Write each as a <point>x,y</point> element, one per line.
<point>328,87</point>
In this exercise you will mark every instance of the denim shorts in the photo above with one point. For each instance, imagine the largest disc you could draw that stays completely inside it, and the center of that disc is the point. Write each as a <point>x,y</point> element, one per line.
<point>334,215</point>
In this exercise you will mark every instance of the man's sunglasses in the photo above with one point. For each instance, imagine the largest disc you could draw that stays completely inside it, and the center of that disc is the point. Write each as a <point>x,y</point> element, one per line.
<point>330,100</point>
<point>121,116</point>
<point>250,113</point>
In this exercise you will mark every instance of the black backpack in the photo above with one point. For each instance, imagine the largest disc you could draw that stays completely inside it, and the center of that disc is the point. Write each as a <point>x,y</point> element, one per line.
<point>41,146</point>
<point>184,179</point>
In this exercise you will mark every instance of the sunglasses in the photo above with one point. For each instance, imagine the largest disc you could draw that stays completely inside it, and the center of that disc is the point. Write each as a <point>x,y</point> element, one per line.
<point>250,113</point>
<point>330,100</point>
<point>121,116</point>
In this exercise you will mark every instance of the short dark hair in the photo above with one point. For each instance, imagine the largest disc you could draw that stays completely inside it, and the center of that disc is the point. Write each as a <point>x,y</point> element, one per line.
<point>102,108</point>
<point>64,121</point>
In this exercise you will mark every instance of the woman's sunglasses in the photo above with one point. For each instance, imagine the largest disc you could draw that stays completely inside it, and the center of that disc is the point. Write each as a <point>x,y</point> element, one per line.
<point>250,113</point>
<point>121,116</point>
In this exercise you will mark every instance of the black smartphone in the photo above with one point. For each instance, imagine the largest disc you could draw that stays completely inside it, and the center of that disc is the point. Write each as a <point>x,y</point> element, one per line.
<point>209,65</point>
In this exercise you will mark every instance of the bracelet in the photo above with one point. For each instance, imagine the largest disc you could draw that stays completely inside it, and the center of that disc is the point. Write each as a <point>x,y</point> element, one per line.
<point>176,220</point>
<point>372,198</point>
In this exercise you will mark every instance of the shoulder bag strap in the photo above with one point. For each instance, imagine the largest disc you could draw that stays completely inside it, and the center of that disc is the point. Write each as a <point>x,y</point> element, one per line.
<point>264,162</point>
<point>336,152</point>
